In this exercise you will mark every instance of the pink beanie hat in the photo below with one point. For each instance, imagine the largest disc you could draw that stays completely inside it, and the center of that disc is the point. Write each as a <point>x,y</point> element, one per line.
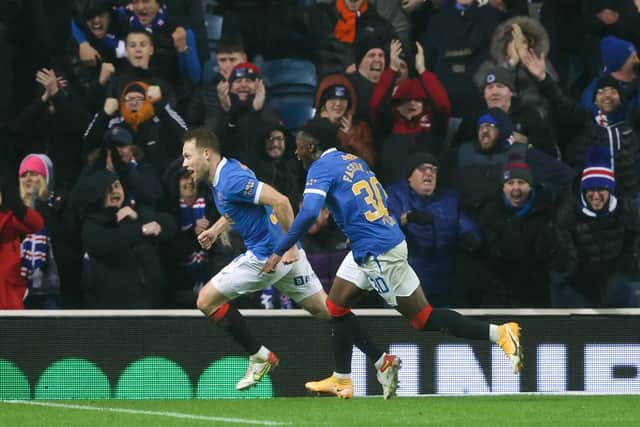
<point>34,163</point>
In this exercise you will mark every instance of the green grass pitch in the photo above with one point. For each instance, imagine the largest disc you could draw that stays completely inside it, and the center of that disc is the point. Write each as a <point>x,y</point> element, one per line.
<point>491,411</point>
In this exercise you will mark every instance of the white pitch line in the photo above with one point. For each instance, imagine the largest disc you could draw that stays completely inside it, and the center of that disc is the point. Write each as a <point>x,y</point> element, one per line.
<point>142,412</point>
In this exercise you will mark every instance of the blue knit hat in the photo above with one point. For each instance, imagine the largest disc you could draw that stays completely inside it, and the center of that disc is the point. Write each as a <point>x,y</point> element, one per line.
<point>598,171</point>
<point>486,118</point>
<point>615,53</point>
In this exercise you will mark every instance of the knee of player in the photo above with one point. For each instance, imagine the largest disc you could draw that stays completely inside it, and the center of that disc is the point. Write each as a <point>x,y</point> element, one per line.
<point>336,310</point>
<point>205,303</point>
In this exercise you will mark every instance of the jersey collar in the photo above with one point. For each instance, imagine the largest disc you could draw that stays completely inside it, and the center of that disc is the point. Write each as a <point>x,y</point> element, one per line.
<point>216,177</point>
<point>328,150</point>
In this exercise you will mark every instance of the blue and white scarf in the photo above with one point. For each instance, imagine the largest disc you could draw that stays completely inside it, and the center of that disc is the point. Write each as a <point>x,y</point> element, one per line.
<point>196,262</point>
<point>158,21</point>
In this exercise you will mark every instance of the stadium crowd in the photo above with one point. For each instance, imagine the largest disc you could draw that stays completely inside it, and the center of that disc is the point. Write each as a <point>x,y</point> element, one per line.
<point>505,133</point>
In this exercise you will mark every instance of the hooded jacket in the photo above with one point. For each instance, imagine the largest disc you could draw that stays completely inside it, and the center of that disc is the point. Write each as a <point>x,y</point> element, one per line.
<point>525,85</point>
<point>122,267</point>
<point>423,132</point>
<point>358,140</point>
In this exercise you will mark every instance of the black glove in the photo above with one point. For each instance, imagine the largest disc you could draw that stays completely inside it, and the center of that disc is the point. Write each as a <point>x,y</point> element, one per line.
<point>418,217</point>
<point>468,242</point>
<point>11,195</point>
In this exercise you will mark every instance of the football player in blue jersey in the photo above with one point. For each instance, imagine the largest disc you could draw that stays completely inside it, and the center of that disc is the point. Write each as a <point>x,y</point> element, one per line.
<point>260,214</point>
<point>378,257</point>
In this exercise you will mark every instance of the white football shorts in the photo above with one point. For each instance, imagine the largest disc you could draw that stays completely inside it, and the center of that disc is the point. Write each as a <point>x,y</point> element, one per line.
<point>389,274</point>
<point>242,276</point>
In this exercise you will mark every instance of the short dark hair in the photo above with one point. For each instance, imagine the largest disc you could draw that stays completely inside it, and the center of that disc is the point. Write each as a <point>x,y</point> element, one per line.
<point>203,137</point>
<point>231,44</point>
<point>149,36</point>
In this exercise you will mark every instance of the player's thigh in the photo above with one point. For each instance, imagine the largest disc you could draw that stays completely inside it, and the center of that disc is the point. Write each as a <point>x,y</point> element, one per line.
<point>300,282</point>
<point>243,276</point>
<point>350,283</point>
<point>316,305</point>
<point>210,299</point>
<point>391,275</point>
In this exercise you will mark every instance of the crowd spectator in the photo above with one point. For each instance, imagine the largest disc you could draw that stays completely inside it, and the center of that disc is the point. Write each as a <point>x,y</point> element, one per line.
<point>521,242</point>
<point>122,266</point>
<point>421,111</point>
<point>52,124</point>
<point>246,117</point>
<point>16,221</point>
<point>140,50</point>
<point>336,100</point>
<point>145,113</point>
<point>474,168</point>
<point>511,37</point>
<point>205,106</point>
<point>621,62</point>
<point>603,124</point>
<point>603,234</point>
<point>175,55</point>
<point>47,256</point>
<point>370,61</point>
<point>275,165</point>
<point>434,226</point>
<point>337,33</point>
<point>456,43</point>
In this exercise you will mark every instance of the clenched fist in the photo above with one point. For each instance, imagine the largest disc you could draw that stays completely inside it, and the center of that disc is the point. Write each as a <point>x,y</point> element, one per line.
<point>110,106</point>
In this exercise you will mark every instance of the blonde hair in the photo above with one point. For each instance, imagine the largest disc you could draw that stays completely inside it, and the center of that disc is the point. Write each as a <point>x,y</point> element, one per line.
<point>41,191</point>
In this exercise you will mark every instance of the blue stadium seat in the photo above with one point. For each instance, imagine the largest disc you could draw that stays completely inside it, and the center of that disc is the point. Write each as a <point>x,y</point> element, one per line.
<point>214,29</point>
<point>294,110</point>
<point>290,76</point>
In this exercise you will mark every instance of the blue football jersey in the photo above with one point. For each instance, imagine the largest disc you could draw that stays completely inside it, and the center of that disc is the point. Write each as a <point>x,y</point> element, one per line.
<point>236,192</point>
<point>356,200</point>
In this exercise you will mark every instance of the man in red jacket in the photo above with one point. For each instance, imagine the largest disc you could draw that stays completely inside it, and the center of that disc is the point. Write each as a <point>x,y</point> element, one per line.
<point>16,221</point>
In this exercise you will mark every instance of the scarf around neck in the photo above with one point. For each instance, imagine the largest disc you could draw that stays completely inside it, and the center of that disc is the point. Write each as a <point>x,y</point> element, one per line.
<point>612,204</point>
<point>158,21</point>
<point>345,30</point>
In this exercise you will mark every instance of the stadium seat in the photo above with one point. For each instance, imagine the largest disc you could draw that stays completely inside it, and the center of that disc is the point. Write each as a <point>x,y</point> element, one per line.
<point>294,110</point>
<point>290,76</point>
<point>214,29</point>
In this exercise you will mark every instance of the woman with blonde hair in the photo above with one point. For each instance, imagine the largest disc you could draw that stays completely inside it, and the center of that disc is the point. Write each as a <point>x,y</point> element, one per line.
<point>38,263</point>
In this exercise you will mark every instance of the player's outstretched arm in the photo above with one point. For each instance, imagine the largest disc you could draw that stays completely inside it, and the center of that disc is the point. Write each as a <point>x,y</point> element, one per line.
<point>208,237</point>
<point>311,206</point>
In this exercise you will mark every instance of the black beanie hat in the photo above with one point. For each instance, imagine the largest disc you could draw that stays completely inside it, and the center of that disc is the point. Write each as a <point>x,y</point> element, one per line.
<point>516,168</point>
<point>499,74</point>
<point>606,81</point>
<point>365,43</point>
<point>323,131</point>
<point>333,92</point>
<point>416,159</point>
